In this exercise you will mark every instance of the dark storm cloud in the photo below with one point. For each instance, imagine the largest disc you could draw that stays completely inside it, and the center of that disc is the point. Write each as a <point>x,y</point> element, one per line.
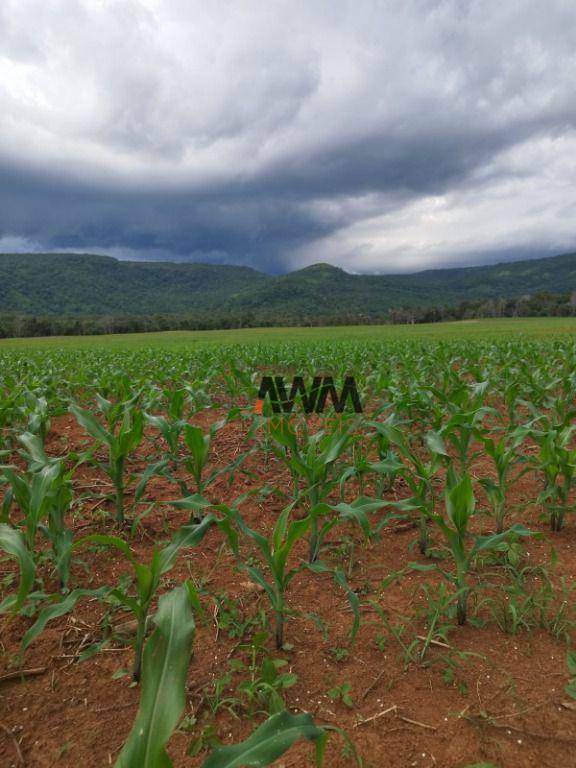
<point>376,135</point>
<point>251,227</point>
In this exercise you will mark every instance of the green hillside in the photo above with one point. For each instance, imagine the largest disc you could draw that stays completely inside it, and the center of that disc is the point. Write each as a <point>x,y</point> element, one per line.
<point>71,284</point>
<point>87,285</point>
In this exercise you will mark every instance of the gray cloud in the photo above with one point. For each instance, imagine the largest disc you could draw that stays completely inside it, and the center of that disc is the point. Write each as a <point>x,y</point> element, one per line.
<point>380,136</point>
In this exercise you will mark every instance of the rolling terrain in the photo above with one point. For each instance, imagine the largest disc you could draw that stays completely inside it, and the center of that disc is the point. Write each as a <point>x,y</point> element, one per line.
<point>90,285</point>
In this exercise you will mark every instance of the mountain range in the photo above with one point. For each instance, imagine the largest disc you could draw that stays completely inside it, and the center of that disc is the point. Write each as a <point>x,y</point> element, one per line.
<point>91,285</point>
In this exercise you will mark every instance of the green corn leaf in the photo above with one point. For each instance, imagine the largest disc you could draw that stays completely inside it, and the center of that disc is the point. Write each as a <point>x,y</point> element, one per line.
<point>105,540</point>
<point>335,447</point>
<point>281,526</point>
<point>269,742</point>
<point>91,425</point>
<point>296,530</point>
<point>12,542</point>
<point>388,466</point>
<point>199,446</point>
<point>6,505</point>
<point>353,599</point>
<point>359,510</point>
<point>436,444</point>
<point>130,434</point>
<point>194,503</point>
<point>150,471</point>
<point>35,448</point>
<point>165,667</point>
<point>59,609</point>
<point>340,579</point>
<point>196,441</point>
<point>258,578</point>
<point>483,543</point>
<point>390,432</point>
<point>460,503</point>
<point>281,432</point>
<point>40,486</point>
<point>187,536</point>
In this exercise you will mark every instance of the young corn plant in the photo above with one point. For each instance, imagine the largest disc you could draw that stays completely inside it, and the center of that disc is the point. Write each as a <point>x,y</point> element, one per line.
<point>198,444</point>
<point>385,469</point>
<point>557,462</point>
<point>114,411</point>
<point>171,428</point>
<point>313,463</point>
<point>418,473</point>
<point>505,458</point>
<point>275,574</point>
<point>147,582</point>
<point>358,512</point>
<point>36,411</point>
<point>148,577</point>
<point>467,411</point>
<point>171,432</point>
<point>196,459</point>
<point>121,438</point>
<point>460,430</point>
<point>166,659</point>
<point>59,497</point>
<point>31,492</point>
<point>462,545</point>
<point>43,495</point>
<point>389,465</point>
<point>9,400</point>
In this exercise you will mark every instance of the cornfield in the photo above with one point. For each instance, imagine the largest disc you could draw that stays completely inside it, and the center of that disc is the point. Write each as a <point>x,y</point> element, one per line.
<point>191,580</point>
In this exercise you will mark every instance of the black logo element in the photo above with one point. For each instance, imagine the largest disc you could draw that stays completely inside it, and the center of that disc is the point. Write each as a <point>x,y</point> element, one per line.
<point>313,401</point>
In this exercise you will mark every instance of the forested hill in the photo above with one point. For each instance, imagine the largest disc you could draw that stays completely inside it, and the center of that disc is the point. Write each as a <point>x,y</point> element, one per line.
<point>87,285</point>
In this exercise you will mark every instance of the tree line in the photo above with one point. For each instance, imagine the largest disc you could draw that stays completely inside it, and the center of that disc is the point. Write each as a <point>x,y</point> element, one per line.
<point>542,304</point>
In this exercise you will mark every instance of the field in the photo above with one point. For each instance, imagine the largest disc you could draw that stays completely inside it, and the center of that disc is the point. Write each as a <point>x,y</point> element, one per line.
<point>482,329</point>
<point>184,568</point>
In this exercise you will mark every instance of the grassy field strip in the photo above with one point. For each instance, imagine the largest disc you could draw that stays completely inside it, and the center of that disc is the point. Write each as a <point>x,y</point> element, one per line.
<point>497,328</point>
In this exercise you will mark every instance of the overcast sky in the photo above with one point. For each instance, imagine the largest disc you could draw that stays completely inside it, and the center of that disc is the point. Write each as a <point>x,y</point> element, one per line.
<point>378,136</point>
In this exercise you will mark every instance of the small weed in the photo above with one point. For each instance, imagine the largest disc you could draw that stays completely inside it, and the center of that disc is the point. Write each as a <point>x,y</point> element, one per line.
<point>340,654</point>
<point>341,693</point>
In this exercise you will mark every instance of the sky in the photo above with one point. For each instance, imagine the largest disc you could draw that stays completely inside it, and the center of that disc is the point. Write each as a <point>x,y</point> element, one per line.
<point>375,135</point>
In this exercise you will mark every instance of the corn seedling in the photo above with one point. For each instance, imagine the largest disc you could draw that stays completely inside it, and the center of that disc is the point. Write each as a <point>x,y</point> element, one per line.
<point>165,668</point>
<point>44,496</point>
<point>462,545</point>
<point>557,461</point>
<point>275,574</point>
<point>313,464</point>
<point>121,439</point>
<point>418,473</point>
<point>148,576</point>
<point>505,458</point>
<point>147,582</point>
